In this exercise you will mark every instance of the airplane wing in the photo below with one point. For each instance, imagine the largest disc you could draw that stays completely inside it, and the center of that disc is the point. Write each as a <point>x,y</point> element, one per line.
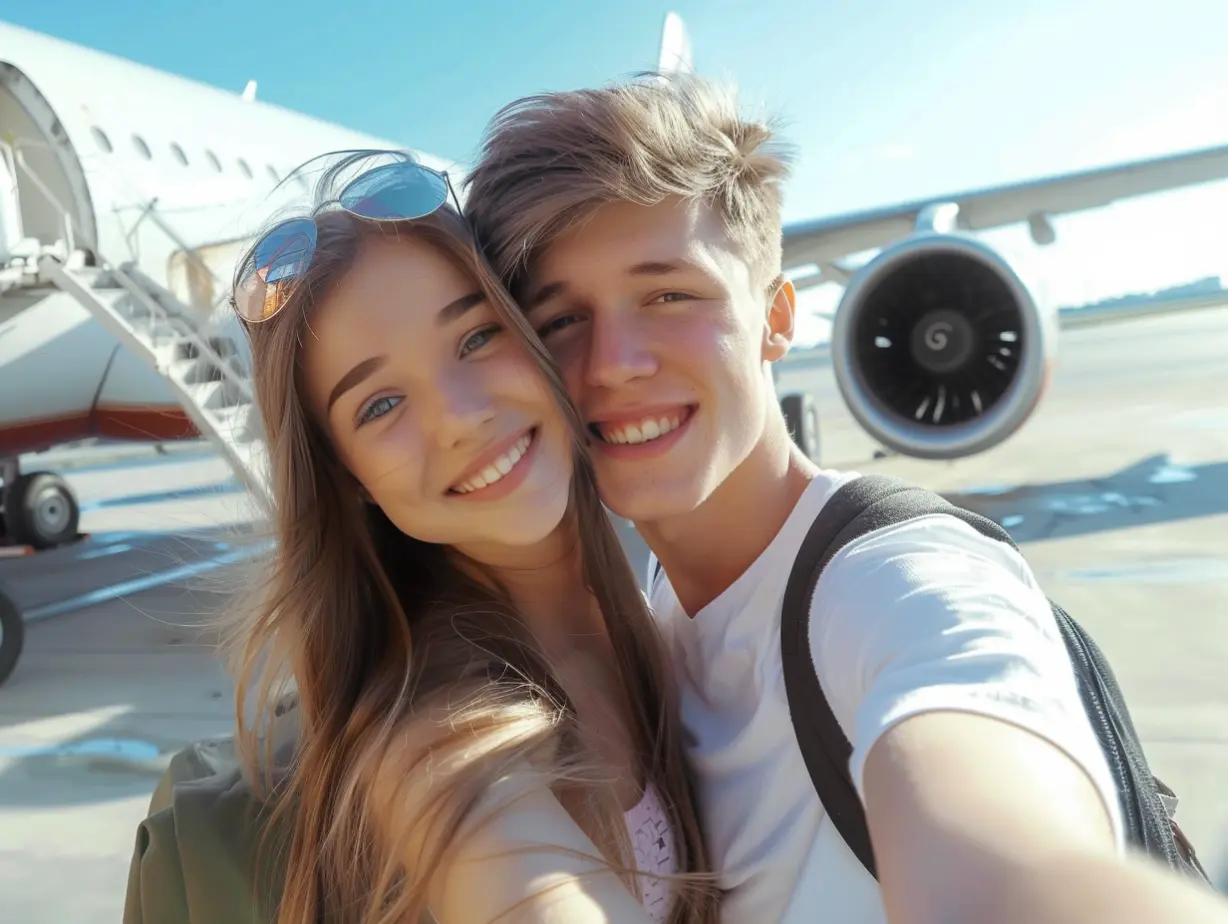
<point>824,241</point>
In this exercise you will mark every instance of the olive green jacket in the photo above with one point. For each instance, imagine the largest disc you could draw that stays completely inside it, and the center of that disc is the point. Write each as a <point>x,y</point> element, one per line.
<point>195,855</point>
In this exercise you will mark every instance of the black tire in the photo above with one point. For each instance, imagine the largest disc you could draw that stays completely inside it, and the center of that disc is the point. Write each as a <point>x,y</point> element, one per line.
<point>41,511</point>
<point>12,635</point>
<point>802,419</point>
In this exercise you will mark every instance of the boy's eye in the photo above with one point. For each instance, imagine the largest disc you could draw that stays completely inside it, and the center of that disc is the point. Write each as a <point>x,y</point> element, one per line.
<point>556,324</point>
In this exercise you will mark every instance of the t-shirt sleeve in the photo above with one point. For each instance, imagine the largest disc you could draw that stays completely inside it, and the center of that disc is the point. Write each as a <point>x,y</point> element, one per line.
<point>932,616</point>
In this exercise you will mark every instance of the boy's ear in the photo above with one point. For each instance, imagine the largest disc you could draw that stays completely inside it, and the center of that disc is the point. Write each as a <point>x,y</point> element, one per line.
<point>778,332</point>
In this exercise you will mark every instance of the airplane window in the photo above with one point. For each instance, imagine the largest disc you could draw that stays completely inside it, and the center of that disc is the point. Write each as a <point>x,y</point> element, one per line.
<point>101,138</point>
<point>247,171</point>
<point>179,155</point>
<point>142,148</point>
<point>213,161</point>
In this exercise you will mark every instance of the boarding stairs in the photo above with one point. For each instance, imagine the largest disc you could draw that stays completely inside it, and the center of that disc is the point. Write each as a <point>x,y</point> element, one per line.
<point>204,368</point>
<point>202,364</point>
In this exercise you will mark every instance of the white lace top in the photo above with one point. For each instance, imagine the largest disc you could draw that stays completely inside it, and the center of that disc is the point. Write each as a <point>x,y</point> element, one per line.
<point>652,839</point>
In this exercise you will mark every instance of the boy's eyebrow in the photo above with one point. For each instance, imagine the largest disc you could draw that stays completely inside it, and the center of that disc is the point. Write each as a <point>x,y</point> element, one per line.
<point>647,268</point>
<point>544,294</point>
<point>665,267</point>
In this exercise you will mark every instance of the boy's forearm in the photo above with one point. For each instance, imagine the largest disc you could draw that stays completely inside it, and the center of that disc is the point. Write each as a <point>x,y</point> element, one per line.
<point>1085,889</point>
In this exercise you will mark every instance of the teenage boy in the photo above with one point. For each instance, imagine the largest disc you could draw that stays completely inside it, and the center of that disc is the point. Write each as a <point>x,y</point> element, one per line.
<point>639,225</point>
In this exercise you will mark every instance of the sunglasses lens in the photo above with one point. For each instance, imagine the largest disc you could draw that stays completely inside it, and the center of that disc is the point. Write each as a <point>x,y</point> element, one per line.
<point>281,256</point>
<point>401,190</point>
<point>286,251</point>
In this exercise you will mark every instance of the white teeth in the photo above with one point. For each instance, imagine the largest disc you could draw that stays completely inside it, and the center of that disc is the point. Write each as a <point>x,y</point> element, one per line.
<point>643,431</point>
<point>497,469</point>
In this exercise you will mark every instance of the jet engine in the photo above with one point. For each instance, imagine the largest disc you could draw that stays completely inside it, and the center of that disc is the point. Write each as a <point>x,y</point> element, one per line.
<point>939,347</point>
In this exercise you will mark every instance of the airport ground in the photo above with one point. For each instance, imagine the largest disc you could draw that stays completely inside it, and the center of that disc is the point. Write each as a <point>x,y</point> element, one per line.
<point>1117,490</point>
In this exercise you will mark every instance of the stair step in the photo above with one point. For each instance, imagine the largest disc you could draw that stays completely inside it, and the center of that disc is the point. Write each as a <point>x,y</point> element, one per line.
<point>183,370</point>
<point>117,300</point>
<point>88,276</point>
<point>199,371</point>
<point>215,395</point>
<point>193,346</point>
<point>162,331</point>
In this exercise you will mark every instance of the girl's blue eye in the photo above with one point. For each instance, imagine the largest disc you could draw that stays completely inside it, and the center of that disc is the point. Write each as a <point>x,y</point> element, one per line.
<point>378,408</point>
<point>479,339</point>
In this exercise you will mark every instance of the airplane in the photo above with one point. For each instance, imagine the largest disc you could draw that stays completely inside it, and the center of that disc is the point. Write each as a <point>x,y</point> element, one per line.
<point>940,346</point>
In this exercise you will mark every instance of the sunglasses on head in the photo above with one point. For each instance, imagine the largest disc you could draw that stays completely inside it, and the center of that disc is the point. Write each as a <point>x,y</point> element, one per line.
<point>399,191</point>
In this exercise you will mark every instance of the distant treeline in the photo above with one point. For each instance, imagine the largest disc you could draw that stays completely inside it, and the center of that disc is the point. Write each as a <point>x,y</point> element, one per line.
<point>1206,286</point>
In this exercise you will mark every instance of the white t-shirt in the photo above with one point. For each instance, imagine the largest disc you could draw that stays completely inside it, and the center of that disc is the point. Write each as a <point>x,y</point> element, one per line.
<point>925,616</point>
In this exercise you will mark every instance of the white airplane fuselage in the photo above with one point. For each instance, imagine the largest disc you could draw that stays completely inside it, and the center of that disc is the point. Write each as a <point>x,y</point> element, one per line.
<point>152,168</point>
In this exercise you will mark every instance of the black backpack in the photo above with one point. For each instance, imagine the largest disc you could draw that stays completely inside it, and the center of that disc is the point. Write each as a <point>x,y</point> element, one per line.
<point>872,502</point>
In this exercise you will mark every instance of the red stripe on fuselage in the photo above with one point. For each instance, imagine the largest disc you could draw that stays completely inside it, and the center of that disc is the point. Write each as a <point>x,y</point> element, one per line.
<point>137,423</point>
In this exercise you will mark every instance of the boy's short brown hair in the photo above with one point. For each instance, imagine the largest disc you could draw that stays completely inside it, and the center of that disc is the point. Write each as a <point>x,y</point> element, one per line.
<point>550,160</point>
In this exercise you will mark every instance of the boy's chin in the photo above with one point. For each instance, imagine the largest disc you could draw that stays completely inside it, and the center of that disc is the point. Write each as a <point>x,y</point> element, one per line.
<point>659,501</point>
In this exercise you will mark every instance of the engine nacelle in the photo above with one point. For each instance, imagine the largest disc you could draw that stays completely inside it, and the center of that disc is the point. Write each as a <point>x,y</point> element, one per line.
<point>939,347</point>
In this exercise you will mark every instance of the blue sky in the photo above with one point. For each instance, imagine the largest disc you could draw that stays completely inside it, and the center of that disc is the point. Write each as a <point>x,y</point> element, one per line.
<point>886,100</point>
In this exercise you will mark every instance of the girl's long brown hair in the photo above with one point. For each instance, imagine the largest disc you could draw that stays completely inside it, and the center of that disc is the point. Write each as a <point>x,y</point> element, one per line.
<point>400,659</point>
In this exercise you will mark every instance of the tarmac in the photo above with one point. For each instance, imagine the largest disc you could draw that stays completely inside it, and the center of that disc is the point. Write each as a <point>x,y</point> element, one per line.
<point>1117,490</point>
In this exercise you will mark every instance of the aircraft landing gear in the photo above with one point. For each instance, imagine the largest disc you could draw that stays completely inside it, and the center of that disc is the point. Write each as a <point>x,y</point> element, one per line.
<point>12,635</point>
<point>802,419</point>
<point>39,509</point>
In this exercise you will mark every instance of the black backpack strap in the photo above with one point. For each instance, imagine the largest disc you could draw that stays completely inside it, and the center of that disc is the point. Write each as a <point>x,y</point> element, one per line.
<point>856,509</point>
<point>873,502</point>
<point>825,748</point>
